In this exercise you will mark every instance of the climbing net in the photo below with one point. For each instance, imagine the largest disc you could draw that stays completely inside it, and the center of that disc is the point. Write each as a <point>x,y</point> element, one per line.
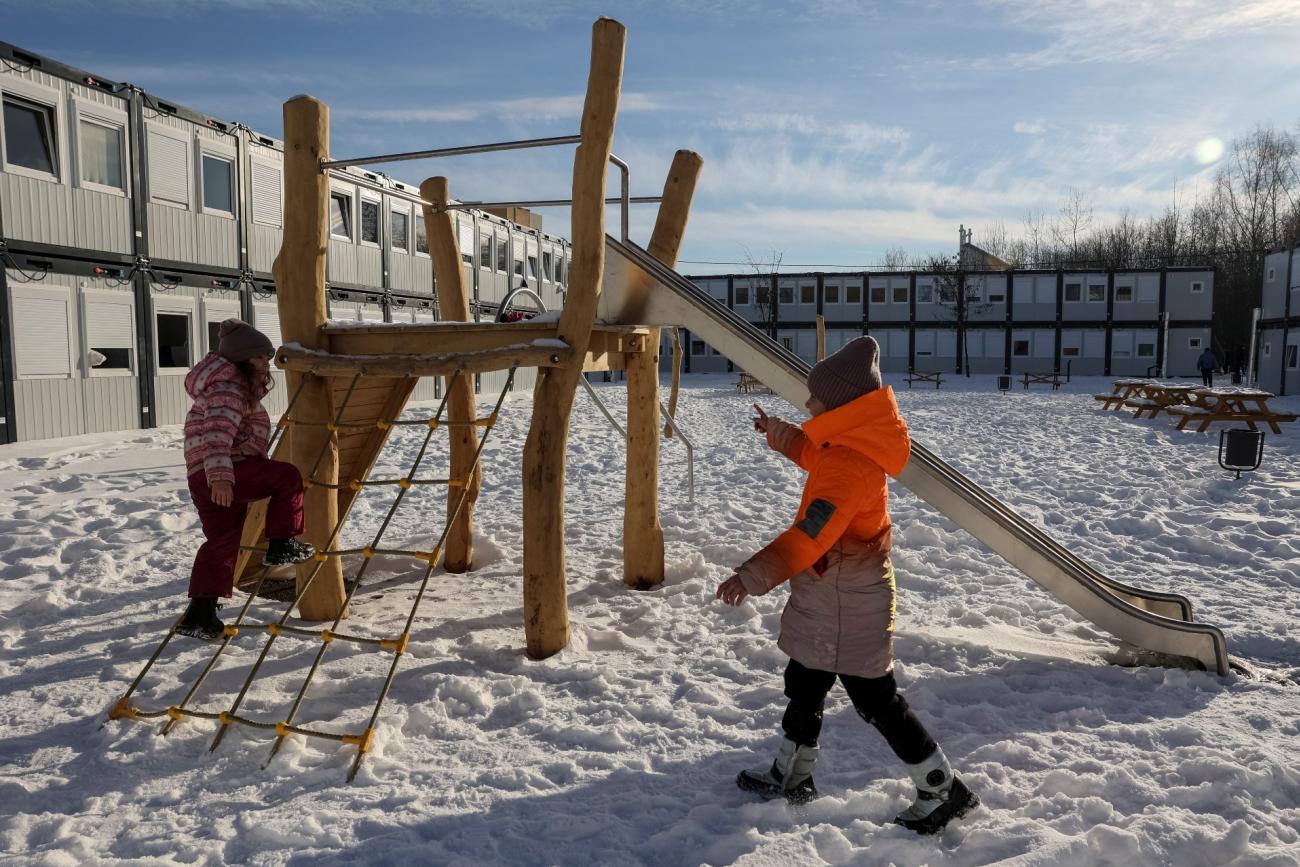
<point>125,709</point>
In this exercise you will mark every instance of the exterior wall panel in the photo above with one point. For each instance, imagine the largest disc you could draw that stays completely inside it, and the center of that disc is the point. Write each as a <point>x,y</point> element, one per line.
<point>102,221</point>
<point>217,241</point>
<point>47,408</point>
<point>171,233</point>
<point>112,403</point>
<point>37,210</point>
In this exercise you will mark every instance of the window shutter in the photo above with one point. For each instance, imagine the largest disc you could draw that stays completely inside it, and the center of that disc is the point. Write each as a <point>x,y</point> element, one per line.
<point>41,336</point>
<point>108,324</point>
<point>169,176</point>
<point>266,194</point>
<point>267,320</point>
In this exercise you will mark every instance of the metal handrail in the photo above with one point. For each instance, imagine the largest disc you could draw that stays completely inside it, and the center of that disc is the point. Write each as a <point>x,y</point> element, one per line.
<point>690,449</point>
<point>453,152</point>
<point>626,177</point>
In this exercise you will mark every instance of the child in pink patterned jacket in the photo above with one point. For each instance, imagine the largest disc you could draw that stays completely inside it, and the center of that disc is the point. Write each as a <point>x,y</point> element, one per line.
<point>226,436</point>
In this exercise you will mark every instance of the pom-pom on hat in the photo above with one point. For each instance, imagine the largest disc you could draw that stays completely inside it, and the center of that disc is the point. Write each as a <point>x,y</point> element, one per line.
<point>241,341</point>
<point>848,374</point>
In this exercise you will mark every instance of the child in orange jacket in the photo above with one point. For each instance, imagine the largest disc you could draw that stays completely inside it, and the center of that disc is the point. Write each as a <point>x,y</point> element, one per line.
<point>839,620</point>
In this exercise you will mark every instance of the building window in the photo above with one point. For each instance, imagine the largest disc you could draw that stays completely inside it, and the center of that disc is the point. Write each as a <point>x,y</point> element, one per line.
<point>1020,348</point>
<point>763,296</point>
<point>997,296</point>
<point>1069,352</point>
<point>1197,286</point>
<point>100,147</point>
<point>742,296</point>
<point>169,169</point>
<point>341,215</point>
<point>697,347</point>
<point>1271,275</point>
<point>877,294</point>
<point>42,346</point>
<point>518,259</point>
<point>1096,292</point>
<point>924,293</point>
<point>218,184</point>
<point>485,250</point>
<point>547,271</point>
<point>1073,292</point>
<point>788,343</point>
<point>369,222</point>
<point>900,294</point>
<point>1268,350</point>
<point>503,255</point>
<point>1146,350</point>
<point>853,295</point>
<point>268,202</point>
<point>29,136</point>
<point>785,294</point>
<point>422,237</point>
<point>561,269</point>
<point>108,334</point>
<point>398,226</point>
<point>831,294</point>
<point>173,340</point>
<point>808,294</point>
<point>1123,294</point>
<point>1193,343</point>
<point>532,268</point>
<point>1292,356</point>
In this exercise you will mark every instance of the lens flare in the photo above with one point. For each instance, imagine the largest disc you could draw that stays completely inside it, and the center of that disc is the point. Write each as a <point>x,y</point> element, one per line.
<point>1209,150</point>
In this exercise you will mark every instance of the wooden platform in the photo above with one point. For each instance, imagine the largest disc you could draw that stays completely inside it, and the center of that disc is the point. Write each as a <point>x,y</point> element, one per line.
<point>430,349</point>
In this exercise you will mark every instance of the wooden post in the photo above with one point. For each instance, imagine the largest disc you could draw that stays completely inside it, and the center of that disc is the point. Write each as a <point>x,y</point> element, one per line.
<point>821,337</point>
<point>643,537</point>
<point>453,305</point>
<point>546,615</point>
<point>677,379</point>
<point>299,273</point>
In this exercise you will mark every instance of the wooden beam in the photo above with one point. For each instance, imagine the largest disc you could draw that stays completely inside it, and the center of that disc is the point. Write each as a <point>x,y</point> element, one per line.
<point>363,460</point>
<point>447,338</point>
<point>402,366</point>
<point>643,537</point>
<point>299,272</point>
<point>546,616</point>
<point>453,306</point>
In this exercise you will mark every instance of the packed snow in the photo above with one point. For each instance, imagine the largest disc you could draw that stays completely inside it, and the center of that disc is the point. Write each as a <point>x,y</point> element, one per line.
<point>623,748</point>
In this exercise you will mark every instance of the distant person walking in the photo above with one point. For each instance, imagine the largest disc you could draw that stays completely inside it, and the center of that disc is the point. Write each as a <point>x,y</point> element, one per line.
<point>226,436</point>
<point>1206,364</point>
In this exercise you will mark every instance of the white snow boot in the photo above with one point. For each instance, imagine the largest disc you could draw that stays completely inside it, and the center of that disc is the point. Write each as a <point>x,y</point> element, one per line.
<point>790,776</point>
<point>941,796</point>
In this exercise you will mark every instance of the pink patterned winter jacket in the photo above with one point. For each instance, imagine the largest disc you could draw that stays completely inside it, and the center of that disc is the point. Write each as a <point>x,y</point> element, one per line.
<point>226,423</point>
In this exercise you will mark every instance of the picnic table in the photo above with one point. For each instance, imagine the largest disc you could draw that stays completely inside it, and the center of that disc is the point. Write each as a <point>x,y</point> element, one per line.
<point>1123,389</point>
<point>1208,405</point>
<point>1053,379</point>
<point>934,376</point>
<point>1153,397</point>
<point>747,382</point>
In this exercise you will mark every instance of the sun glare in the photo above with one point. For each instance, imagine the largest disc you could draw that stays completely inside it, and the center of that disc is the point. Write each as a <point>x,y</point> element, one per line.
<point>1208,150</point>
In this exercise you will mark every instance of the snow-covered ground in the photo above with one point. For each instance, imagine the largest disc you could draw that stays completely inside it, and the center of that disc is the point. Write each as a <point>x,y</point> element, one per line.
<point>623,748</point>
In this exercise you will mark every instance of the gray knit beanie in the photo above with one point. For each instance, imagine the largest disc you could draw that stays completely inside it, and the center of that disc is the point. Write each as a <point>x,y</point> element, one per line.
<point>241,341</point>
<point>848,374</point>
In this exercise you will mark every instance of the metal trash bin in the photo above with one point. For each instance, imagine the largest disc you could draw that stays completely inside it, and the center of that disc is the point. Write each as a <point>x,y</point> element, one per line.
<point>1241,450</point>
<point>1004,382</point>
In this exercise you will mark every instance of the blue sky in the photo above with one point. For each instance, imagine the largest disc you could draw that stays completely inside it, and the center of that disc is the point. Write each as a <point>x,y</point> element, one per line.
<point>831,130</point>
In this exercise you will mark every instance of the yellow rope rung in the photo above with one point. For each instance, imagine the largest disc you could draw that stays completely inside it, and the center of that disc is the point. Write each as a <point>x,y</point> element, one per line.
<point>362,741</point>
<point>124,710</point>
<point>397,645</point>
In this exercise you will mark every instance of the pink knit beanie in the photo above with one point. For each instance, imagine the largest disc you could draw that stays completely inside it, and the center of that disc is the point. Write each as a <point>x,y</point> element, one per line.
<point>848,374</point>
<point>241,341</point>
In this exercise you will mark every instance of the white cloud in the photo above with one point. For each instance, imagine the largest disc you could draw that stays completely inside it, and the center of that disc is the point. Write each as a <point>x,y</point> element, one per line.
<point>524,109</point>
<point>1030,127</point>
<point>1085,31</point>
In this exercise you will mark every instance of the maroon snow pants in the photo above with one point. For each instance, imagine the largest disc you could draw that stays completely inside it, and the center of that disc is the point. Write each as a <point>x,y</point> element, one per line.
<point>255,479</point>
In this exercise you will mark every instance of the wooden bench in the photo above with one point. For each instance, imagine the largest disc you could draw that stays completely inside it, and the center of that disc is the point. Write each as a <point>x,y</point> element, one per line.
<point>1123,390</point>
<point>934,376</point>
<point>1208,405</point>
<point>747,382</point>
<point>1052,379</point>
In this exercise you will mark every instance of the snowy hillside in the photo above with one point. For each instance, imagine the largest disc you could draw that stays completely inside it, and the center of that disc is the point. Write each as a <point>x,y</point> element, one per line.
<point>623,748</point>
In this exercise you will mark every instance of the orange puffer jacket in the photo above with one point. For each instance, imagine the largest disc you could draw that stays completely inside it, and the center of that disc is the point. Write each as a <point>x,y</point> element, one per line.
<point>840,615</point>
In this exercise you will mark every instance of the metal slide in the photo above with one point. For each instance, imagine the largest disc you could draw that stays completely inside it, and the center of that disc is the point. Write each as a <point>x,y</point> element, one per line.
<point>639,289</point>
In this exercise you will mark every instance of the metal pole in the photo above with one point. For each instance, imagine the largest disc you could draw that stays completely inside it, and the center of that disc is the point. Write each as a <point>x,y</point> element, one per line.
<point>1254,333</point>
<point>453,152</point>
<point>600,403</point>
<point>550,203</point>
<point>690,450</point>
<point>626,173</point>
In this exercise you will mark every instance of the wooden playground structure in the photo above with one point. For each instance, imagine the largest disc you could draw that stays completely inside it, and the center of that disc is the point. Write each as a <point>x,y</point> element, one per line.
<point>377,367</point>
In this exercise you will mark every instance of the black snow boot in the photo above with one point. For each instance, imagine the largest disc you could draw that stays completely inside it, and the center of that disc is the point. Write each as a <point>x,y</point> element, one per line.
<point>790,776</point>
<point>201,620</point>
<point>941,796</point>
<point>282,552</point>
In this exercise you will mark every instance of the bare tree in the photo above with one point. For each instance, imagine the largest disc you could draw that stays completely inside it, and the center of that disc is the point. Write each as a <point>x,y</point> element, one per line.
<point>896,258</point>
<point>764,267</point>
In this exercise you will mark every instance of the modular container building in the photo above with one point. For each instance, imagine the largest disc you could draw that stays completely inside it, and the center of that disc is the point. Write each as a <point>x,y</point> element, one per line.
<point>1107,323</point>
<point>1277,337</point>
<point>130,226</point>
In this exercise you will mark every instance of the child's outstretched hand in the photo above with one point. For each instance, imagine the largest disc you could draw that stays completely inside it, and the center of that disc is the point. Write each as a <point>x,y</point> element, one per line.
<point>760,420</point>
<point>732,591</point>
